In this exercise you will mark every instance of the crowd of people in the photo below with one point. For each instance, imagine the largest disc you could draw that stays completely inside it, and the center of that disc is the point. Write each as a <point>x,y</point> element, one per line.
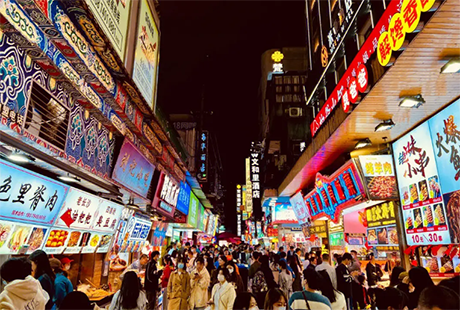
<point>234,277</point>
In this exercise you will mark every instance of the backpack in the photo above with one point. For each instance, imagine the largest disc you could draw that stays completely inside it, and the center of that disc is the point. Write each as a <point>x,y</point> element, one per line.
<point>258,283</point>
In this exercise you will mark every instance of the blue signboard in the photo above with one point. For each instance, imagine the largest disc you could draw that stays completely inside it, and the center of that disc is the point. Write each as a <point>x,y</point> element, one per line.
<point>29,197</point>
<point>133,170</point>
<point>183,201</point>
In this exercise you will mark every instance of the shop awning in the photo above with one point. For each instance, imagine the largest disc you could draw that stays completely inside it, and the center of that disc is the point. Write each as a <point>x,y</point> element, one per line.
<point>196,188</point>
<point>416,71</point>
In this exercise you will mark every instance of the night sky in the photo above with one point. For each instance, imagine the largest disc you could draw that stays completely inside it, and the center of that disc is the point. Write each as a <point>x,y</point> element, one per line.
<point>234,34</point>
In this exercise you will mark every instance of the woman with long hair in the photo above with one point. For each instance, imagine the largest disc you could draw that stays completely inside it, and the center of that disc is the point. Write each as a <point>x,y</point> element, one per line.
<point>168,268</point>
<point>130,296</point>
<point>245,301</point>
<point>235,277</point>
<point>394,278</point>
<point>336,298</point>
<point>41,270</point>
<point>414,284</point>
<point>223,293</point>
<point>275,300</point>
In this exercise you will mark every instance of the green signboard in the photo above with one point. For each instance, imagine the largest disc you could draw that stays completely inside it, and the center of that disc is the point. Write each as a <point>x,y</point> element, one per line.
<point>193,210</point>
<point>203,219</point>
<point>337,239</point>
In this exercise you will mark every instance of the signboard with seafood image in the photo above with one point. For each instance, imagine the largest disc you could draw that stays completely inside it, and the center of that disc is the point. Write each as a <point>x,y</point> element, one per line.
<point>423,206</point>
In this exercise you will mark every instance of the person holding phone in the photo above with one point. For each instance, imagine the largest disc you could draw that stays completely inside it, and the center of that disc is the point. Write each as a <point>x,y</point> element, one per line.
<point>199,282</point>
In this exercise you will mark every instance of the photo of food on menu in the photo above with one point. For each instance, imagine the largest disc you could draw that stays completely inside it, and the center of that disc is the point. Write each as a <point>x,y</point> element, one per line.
<point>418,221</point>
<point>435,189</point>
<point>423,190</point>
<point>413,193</point>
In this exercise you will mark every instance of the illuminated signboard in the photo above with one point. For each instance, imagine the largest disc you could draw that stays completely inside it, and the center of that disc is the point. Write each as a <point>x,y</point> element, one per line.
<point>183,200</point>
<point>239,200</point>
<point>400,24</point>
<point>379,177</point>
<point>248,202</point>
<point>335,193</point>
<point>166,196</point>
<point>277,57</point>
<point>420,189</point>
<point>340,25</point>
<point>255,173</point>
<point>348,84</point>
<point>300,209</point>
<point>381,225</point>
<point>192,218</point>
<point>203,156</point>
<point>133,170</point>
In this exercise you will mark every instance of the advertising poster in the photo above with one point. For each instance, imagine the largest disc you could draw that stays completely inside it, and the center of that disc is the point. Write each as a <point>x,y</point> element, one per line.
<point>381,226</point>
<point>445,136</point>
<point>18,238</point>
<point>420,192</point>
<point>337,239</point>
<point>283,214</point>
<point>379,177</point>
<point>136,232</point>
<point>113,17</point>
<point>146,54</point>
<point>300,209</point>
<point>29,197</point>
<point>133,170</point>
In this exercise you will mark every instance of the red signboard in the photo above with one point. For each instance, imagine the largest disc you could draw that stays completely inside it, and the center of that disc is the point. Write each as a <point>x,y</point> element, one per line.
<point>369,47</point>
<point>332,194</point>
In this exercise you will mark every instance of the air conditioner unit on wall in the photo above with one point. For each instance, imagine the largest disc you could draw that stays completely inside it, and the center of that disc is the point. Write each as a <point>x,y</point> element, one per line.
<point>295,112</point>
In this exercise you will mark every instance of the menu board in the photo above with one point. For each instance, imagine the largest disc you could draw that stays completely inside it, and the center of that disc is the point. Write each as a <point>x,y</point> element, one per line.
<point>420,192</point>
<point>381,223</point>
<point>104,244</point>
<point>92,243</point>
<point>16,237</point>
<point>107,216</point>
<point>445,136</point>
<point>379,177</point>
<point>29,197</point>
<point>56,240</point>
<point>75,242</point>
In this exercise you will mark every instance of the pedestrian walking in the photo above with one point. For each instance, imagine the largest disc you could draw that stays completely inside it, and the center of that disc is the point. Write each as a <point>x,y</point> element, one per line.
<point>199,284</point>
<point>130,296</point>
<point>152,280</point>
<point>179,288</point>
<point>223,293</point>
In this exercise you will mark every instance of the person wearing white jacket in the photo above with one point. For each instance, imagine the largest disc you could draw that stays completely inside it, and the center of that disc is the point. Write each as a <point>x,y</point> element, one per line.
<point>22,291</point>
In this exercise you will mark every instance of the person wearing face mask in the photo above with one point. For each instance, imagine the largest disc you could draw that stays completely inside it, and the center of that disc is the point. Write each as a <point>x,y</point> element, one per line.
<point>179,288</point>
<point>235,278</point>
<point>199,283</point>
<point>223,293</point>
<point>191,261</point>
<point>62,285</point>
<point>66,263</point>
<point>310,297</point>
<point>275,300</point>
<point>221,261</point>
<point>345,278</point>
<point>152,276</point>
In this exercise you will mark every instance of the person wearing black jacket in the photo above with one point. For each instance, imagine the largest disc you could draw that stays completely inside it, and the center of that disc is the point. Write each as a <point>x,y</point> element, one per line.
<point>152,276</point>
<point>373,272</point>
<point>345,279</point>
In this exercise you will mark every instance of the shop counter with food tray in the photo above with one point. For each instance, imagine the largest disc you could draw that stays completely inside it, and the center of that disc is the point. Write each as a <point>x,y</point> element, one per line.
<point>99,295</point>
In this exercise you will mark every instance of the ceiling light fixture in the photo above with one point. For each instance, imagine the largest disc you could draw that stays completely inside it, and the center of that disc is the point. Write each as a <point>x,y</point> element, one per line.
<point>412,101</point>
<point>68,178</point>
<point>363,143</point>
<point>19,157</point>
<point>452,66</point>
<point>385,125</point>
<point>131,205</point>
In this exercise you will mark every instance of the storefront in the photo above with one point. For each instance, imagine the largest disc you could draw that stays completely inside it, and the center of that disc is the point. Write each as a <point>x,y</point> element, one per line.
<point>427,164</point>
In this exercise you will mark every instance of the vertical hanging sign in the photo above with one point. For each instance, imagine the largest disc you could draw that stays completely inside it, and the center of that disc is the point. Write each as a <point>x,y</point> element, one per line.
<point>238,208</point>
<point>203,157</point>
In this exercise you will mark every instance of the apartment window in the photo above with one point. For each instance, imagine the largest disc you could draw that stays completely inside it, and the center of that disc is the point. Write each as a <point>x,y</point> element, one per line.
<point>364,28</point>
<point>46,117</point>
<point>295,79</point>
<point>296,98</point>
<point>279,89</point>
<point>287,79</point>
<point>278,80</point>
<point>297,89</point>
<point>279,98</point>
<point>287,89</point>
<point>304,80</point>
<point>288,98</point>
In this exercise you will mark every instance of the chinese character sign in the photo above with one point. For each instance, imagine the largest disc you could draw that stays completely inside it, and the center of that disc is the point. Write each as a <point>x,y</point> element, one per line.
<point>79,210</point>
<point>335,193</point>
<point>420,188</point>
<point>166,195</point>
<point>29,197</point>
<point>379,177</point>
<point>300,209</point>
<point>255,174</point>
<point>183,200</point>
<point>133,170</point>
<point>381,223</point>
<point>445,136</point>
<point>192,219</point>
<point>203,143</point>
<point>107,216</point>
<point>239,198</point>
